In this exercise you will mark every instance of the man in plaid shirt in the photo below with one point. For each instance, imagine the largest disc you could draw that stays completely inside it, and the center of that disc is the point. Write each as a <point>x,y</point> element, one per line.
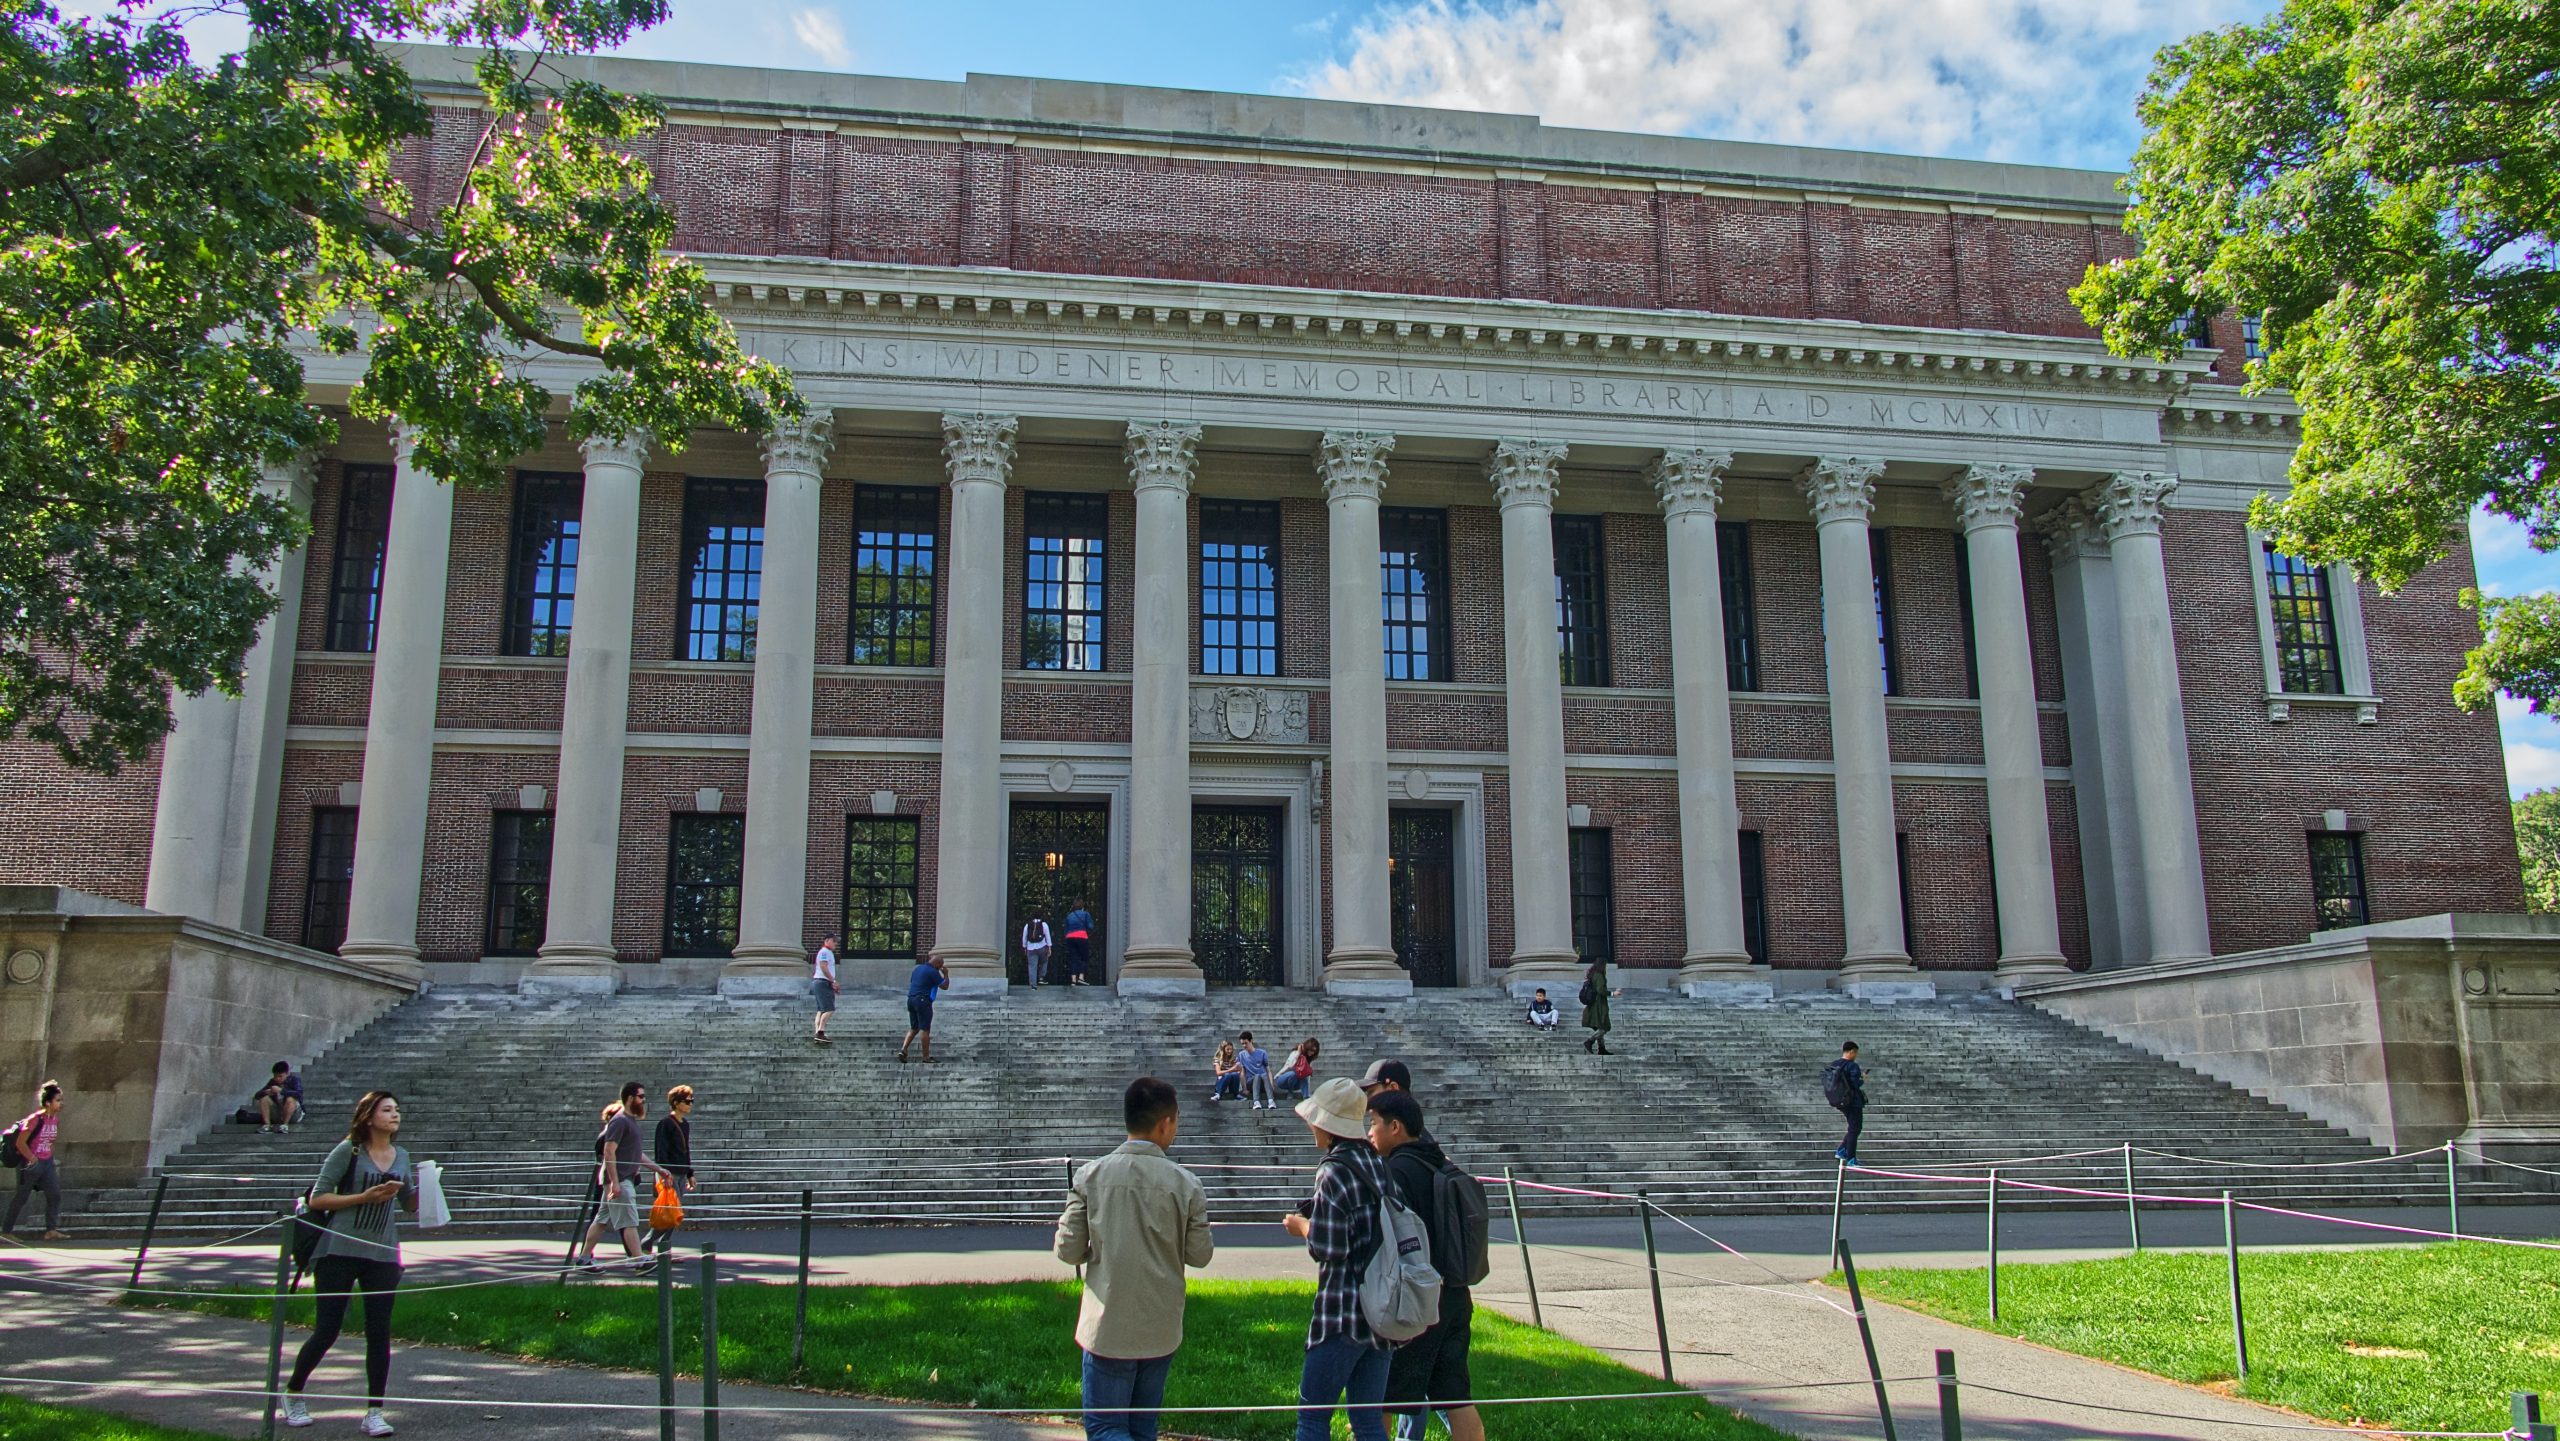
<point>1339,1223</point>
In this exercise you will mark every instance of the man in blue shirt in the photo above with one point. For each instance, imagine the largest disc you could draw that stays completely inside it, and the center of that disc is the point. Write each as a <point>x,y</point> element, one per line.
<point>923,982</point>
<point>1079,943</point>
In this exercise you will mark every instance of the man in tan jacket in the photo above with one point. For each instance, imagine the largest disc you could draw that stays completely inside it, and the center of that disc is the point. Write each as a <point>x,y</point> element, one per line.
<point>1135,1219</point>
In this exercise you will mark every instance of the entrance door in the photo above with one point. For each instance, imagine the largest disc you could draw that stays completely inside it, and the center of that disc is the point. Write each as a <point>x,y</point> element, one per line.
<point>1422,889</point>
<point>1059,857</point>
<point>1235,894</point>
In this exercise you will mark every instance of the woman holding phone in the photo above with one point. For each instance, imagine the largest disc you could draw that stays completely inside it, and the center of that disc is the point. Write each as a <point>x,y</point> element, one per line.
<point>362,1184</point>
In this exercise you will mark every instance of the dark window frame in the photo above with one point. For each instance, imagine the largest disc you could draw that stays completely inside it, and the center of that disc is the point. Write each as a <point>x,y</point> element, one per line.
<point>863,928</point>
<point>1413,573</point>
<point>355,569</point>
<point>1239,592</point>
<point>1582,599</point>
<point>735,509</point>
<point>1752,851</point>
<point>900,527</point>
<point>543,529</point>
<point>2253,338</point>
<point>1741,609</point>
<point>2302,606</point>
<point>1054,525</point>
<point>1880,565</point>
<point>1902,877</point>
<point>329,878</point>
<point>1591,882</point>
<point>2338,894</point>
<point>724,907</point>
<point>518,882</point>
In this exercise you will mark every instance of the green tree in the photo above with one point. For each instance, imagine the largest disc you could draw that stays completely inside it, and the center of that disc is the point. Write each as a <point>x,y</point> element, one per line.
<point>2538,842</point>
<point>2377,181</point>
<point>176,234</point>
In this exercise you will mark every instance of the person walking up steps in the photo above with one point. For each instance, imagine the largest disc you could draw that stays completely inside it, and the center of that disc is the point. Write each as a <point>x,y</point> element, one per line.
<point>1844,1086</point>
<point>31,1148</point>
<point>1595,1007</point>
<point>822,988</point>
<point>923,983</point>
<point>1134,1219</point>
<point>1346,1360</point>
<point>1079,943</point>
<point>361,1186</point>
<point>1036,944</point>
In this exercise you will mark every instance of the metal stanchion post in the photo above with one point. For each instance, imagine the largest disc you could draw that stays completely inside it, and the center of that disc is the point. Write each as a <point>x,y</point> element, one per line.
<point>151,1223</point>
<point>666,1352</point>
<point>800,1298</point>
<point>2132,1212</point>
<point>1520,1233</point>
<point>2526,1408</point>
<point>2231,1254</point>
<point>1991,1210</point>
<point>1950,1419</point>
<point>2452,1194</point>
<point>1866,1336</point>
<point>1839,1195</point>
<point>710,1342</point>
<point>1653,1278</point>
<point>275,1324</point>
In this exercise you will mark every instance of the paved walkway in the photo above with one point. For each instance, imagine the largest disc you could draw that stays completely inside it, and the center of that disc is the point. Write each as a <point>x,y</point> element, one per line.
<point>1741,1326</point>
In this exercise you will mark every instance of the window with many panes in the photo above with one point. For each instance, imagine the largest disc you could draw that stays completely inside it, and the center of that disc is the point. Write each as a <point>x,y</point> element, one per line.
<point>331,879</point>
<point>2306,625</point>
<point>1741,625</point>
<point>1062,580</point>
<point>1582,609</point>
<point>355,576</point>
<point>1880,562</point>
<point>519,882</point>
<point>1413,586</point>
<point>705,858</point>
<point>1964,617</point>
<point>1902,877</point>
<point>894,574</point>
<point>2195,328</point>
<point>542,562</point>
<point>880,886</point>
<point>1755,898</point>
<point>1239,587</point>
<point>2337,880</point>
<point>2253,337</point>
<point>1595,912</point>
<point>723,568</point>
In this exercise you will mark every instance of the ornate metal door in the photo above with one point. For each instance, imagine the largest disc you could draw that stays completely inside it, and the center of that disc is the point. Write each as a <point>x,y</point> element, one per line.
<point>1235,894</point>
<point>1059,856</point>
<point>1422,890</point>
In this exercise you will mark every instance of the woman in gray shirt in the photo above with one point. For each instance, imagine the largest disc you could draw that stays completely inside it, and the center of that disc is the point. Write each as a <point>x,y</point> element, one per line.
<point>361,1186</point>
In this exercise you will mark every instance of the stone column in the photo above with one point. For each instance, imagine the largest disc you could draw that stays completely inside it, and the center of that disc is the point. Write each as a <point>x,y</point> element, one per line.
<point>400,727</point>
<point>2084,604</point>
<point>770,957</point>
<point>1352,464</point>
<point>969,861</point>
<point>1523,474</point>
<point>1876,963</point>
<point>1157,960</point>
<point>1986,500</point>
<point>1689,483</point>
<point>586,811</point>
<point>218,767</point>
<point>2164,798</point>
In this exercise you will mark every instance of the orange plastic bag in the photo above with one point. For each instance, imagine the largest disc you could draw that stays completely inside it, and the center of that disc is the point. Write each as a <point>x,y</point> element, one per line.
<point>667,1212</point>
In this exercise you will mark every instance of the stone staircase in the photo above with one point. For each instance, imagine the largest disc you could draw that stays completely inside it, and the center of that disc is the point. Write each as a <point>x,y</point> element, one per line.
<point>1711,1109</point>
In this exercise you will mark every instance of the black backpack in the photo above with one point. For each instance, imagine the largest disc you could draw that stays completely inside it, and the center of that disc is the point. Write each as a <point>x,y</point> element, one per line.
<point>1837,1087</point>
<point>310,1222</point>
<point>1583,997</point>
<point>9,1156</point>
<point>1459,1208</point>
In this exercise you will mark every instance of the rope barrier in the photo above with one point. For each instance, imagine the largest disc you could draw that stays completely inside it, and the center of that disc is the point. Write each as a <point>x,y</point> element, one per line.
<point>2359,1428</point>
<point>2429,1153</point>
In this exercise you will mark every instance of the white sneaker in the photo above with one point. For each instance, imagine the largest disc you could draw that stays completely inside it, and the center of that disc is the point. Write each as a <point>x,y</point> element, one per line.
<point>295,1413</point>
<point>374,1425</point>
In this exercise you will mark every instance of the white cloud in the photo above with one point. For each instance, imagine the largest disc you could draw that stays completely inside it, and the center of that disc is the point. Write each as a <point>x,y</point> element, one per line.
<point>2050,81</point>
<point>2531,767</point>
<point>823,35</point>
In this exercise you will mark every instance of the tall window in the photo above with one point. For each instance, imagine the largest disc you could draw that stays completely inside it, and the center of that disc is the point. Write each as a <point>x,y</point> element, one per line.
<point>1880,561</point>
<point>1902,875</point>
<point>1595,911</point>
<point>1413,565</point>
<point>1964,616</point>
<point>880,886</point>
<point>2195,328</point>
<point>1755,898</point>
<point>1741,626</point>
<point>723,567</point>
<point>355,577</point>
<point>1239,587</point>
<point>2337,880</point>
<point>519,881</point>
<point>332,878</point>
<point>1062,580</point>
<point>2253,338</point>
<point>705,857</point>
<point>542,570</point>
<point>1582,612</point>
<point>2306,624</point>
<point>894,531</point>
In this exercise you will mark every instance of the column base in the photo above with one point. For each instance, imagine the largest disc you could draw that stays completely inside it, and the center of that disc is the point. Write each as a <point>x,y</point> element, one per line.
<point>396,959</point>
<point>1883,978</point>
<point>1560,972</point>
<point>1362,971</point>
<point>571,968</point>
<point>2014,969</point>
<point>1726,980</point>
<point>764,971</point>
<point>974,973</point>
<point>1160,971</point>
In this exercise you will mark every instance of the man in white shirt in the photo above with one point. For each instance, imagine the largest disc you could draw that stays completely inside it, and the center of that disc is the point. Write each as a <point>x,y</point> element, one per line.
<point>1035,948</point>
<point>822,988</point>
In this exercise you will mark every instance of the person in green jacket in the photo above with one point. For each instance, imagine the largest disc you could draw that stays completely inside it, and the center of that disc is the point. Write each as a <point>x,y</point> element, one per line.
<point>1595,1007</point>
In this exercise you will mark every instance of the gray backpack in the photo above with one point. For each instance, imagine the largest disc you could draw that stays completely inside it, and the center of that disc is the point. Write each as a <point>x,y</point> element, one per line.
<point>1399,1291</point>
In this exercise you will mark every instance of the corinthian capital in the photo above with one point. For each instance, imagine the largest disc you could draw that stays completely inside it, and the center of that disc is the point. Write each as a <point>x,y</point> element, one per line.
<point>1353,462</point>
<point>1988,495</point>
<point>630,448</point>
<point>1689,480</point>
<point>1160,454</point>
<point>2070,532</point>
<point>1523,472</point>
<point>294,479</point>
<point>2130,503</point>
<point>978,448</point>
<point>800,446</point>
<point>1840,487</point>
<point>404,443</point>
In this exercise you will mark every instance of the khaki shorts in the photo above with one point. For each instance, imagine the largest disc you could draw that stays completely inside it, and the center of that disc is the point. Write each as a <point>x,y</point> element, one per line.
<point>620,1209</point>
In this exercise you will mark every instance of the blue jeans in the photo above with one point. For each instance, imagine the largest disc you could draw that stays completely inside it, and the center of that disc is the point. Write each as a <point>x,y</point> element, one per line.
<point>1110,1384</point>
<point>1356,1372</point>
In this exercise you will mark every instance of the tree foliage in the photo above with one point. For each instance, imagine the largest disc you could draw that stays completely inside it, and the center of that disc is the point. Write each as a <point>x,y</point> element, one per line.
<point>2378,180</point>
<point>2538,842</point>
<point>176,233</point>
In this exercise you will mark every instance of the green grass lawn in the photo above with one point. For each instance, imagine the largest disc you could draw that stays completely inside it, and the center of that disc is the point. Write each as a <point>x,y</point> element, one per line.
<point>2430,1338</point>
<point>32,1421</point>
<point>1013,1345</point>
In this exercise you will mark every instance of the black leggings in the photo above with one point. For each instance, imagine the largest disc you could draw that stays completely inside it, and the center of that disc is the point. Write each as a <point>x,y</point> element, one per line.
<point>333,1279</point>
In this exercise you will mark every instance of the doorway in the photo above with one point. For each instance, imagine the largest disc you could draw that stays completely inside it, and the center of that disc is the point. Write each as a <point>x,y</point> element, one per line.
<point>1058,855</point>
<point>1422,893</point>
<point>1235,894</point>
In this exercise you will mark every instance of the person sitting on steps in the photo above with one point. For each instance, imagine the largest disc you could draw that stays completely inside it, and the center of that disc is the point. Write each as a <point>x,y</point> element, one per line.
<point>1226,1073</point>
<point>1542,1012</point>
<point>1298,1075</point>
